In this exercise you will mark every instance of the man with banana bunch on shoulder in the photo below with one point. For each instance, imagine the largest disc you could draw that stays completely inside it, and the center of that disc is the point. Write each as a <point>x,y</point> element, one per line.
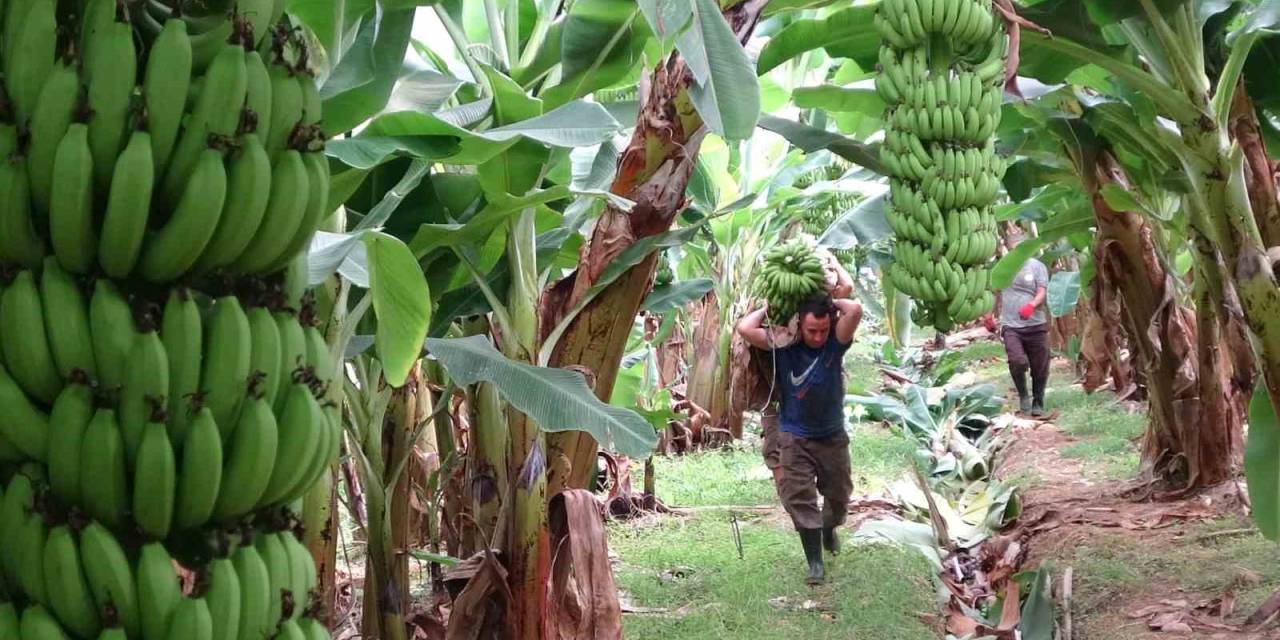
<point>806,445</point>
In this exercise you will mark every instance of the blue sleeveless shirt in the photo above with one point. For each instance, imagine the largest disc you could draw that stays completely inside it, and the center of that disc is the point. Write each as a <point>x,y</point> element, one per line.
<point>812,385</point>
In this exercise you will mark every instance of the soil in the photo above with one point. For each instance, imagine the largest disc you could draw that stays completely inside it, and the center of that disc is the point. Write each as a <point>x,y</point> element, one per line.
<point>1064,512</point>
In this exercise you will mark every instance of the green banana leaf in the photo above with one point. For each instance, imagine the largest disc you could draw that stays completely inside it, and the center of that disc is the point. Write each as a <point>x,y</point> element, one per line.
<point>558,400</point>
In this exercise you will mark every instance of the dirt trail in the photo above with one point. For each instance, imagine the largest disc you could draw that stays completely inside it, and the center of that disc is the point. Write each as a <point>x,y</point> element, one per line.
<point>1064,513</point>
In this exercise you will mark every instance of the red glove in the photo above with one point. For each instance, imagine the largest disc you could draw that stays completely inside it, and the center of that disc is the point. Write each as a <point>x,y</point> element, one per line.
<point>1027,311</point>
<point>990,323</point>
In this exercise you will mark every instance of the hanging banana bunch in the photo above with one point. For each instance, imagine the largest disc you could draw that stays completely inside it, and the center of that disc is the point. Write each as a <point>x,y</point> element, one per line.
<point>941,72</point>
<point>153,161</point>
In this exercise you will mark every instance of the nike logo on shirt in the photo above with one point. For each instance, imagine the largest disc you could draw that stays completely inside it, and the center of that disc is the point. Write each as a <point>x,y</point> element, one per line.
<point>797,381</point>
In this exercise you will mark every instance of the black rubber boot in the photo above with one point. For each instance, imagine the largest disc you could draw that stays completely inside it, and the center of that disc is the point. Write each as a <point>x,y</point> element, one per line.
<point>831,541</point>
<point>1024,403</point>
<point>1037,407</point>
<point>811,539</point>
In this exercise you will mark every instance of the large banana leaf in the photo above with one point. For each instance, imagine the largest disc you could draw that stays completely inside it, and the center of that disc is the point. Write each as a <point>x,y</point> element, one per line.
<point>1007,268</point>
<point>401,302</point>
<point>556,399</point>
<point>863,224</point>
<point>725,90</point>
<point>861,100</point>
<point>810,139</point>
<point>362,81</point>
<point>1064,292</point>
<point>851,24</point>
<point>602,42</point>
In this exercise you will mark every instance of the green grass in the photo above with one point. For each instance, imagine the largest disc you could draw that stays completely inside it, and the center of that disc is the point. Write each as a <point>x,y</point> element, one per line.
<point>1105,433</point>
<point>689,565</point>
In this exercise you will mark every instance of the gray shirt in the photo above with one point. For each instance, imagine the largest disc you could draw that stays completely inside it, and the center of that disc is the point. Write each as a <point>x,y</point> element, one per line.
<point>1031,277</point>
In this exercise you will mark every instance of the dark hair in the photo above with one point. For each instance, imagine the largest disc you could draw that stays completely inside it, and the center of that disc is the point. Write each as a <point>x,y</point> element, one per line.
<point>818,307</point>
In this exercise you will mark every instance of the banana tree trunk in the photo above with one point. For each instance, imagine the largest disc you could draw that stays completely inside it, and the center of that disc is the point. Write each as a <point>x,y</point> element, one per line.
<point>1180,444</point>
<point>1259,172</point>
<point>706,371</point>
<point>1103,341</point>
<point>653,172</point>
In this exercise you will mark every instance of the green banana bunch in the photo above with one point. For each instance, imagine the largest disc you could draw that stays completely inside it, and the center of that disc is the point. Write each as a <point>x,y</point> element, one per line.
<point>789,274</point>
<point>945,174</point>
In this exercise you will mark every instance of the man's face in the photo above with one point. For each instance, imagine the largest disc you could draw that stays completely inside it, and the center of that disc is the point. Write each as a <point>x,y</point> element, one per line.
<point>814,330</point>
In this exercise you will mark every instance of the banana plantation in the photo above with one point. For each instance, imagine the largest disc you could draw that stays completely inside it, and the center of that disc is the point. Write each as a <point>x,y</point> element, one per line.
<point>592,319</point>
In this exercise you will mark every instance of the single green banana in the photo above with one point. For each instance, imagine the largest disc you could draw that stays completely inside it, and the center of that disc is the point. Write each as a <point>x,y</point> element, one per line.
<point>216,114</point>
<point>276,558</point>
<point>289,630</point>
<point>145,389</point>
<point>295,281</point>
<point>223,598</point>
<point>294,354</point>
<point>31,55</point>
<point>286,207</point>
<point>317,166</point>
<point>111,323</point>
<point>287,106</point>
<point>266,359</point>
<point>70,417</point>
<point>154,482</point>
<point>66,319</point>
<point>200,476</point>
<point>25,340</point>
<point>181,332</point>
<point>225,373</point>
<point>250,456</point>
<point>9,625</point>
<point>110,578</point>
<point>165,86</point>
<point>207,42</point>
<point>158,590</point>
<point>69,594</point>
<point>29,538</point>
<point>312,629</point>
<point>190,620</point>
<point>124,225</point>
<point>112,70</point>
<point>71,225</point>
<point>302,572</point>
<point>177,246</point>
<point>55,110</point>
<point>19,242</point>
<point>104,475</point>
<point>300,431</point>
<point>37,624</point>
<point>19,501</point>
<point>255,587</point>
<point>258,96</point>
<point>248,192</point>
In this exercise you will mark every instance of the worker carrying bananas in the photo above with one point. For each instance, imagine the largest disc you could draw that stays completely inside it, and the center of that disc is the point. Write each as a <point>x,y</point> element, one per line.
<point>811,442</point>
<point>1024,329</point>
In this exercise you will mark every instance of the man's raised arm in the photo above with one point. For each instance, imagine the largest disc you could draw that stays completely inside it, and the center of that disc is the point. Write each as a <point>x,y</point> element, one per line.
<point>751,329</point>
<point>850,316</point>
